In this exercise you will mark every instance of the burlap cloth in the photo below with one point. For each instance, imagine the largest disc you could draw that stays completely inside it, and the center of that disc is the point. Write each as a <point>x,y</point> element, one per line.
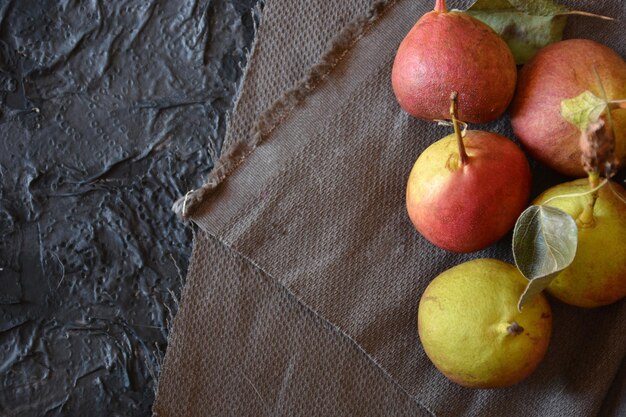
<point>303,289</point>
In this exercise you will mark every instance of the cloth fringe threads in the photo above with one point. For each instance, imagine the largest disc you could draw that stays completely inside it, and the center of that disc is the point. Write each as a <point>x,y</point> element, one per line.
<point>185,206</point>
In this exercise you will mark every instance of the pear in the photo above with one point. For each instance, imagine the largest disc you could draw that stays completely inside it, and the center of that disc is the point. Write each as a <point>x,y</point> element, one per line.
<point>471,329</point>
<point>597,276</point>
<point>558,72</point>
<point>452,51</point>
<point>465,193</point>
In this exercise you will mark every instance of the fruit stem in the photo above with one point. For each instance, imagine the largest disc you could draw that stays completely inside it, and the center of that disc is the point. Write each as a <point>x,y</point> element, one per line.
<point>440,6</point>
<point>464,159</point>
<point>586,218</point>
<point>620,104</point>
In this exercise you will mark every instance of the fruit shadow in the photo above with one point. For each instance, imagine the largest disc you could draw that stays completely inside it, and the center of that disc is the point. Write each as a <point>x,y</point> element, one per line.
<point>586,348</point>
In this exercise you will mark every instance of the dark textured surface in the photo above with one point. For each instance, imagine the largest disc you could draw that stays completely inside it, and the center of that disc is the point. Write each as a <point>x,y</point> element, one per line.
<point>110,111</point>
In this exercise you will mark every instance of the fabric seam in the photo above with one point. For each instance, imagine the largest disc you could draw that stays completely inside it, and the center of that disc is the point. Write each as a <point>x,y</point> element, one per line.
<point>338,329</point>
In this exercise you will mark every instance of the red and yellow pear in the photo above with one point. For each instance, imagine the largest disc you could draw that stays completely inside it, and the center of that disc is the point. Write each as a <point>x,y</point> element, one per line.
<point>465,193</point>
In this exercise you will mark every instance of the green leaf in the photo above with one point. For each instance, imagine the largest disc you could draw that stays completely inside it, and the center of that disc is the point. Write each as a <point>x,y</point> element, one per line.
<point>583,110</point>
<point>544,243</point>
<point>525,25</point>
<point>531,7</point>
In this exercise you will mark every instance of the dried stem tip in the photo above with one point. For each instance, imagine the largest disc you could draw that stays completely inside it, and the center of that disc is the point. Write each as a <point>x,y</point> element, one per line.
<point>440,6</point>
<point>597,146</point>
<point>515,329</point>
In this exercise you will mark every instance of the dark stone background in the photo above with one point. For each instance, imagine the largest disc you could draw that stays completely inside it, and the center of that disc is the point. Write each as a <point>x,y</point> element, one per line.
<point>110,110</point>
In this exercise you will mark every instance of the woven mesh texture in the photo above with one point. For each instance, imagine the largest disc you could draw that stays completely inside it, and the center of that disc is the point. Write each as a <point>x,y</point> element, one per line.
<point>293,366</point>
<point>322,261</point>
<point>292,37</point>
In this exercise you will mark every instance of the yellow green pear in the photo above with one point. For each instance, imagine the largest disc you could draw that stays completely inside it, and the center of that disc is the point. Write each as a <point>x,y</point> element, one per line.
<point>472,331</point>
<point>597,276</point>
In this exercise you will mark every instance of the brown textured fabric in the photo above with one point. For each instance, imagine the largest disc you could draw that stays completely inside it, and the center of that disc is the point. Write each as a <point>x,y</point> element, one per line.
<point>258,351</point>
<point>280,62</point>
<point>306,274</point>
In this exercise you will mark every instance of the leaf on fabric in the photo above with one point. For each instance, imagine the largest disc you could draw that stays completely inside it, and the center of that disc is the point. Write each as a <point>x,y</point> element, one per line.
<point>525,25</point>
<point>544,243</point>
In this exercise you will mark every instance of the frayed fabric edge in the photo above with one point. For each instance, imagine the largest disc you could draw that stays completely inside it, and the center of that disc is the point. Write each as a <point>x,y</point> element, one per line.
<point>271,118</point>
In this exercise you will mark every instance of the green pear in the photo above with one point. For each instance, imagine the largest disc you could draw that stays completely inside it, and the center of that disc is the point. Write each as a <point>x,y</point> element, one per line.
<point>597,276</point>
<point>472,331</point>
